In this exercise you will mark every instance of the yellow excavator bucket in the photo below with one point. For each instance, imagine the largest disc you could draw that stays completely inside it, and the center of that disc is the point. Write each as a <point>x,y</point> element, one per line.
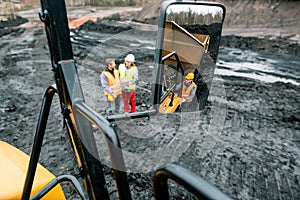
<point>166,107</point>
<point>13,168</point>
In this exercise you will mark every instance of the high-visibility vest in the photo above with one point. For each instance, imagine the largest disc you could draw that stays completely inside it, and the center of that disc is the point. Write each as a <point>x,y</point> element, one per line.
<point>113,82</point>
<point>186,91</point>
<point>127,77</point>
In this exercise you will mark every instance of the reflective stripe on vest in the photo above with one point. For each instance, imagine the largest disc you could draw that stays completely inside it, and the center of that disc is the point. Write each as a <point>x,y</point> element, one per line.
<point>113,82</point>
<point>186,91</point>
<point>127,77</point>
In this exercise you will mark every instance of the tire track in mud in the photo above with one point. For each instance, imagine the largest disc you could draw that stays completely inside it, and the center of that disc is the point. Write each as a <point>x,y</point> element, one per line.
<point>19,63</point>
<point>252,155</point>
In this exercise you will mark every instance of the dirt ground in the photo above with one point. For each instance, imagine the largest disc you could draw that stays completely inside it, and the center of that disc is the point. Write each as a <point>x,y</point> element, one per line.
<point>246,141</point>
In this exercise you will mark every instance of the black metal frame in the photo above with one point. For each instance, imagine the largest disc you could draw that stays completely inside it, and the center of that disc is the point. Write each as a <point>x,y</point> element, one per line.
<point>158,69</point>
<point>179,66</point>
<point>78,118</point>
<point>57,180</point>
<point>136,115</point>
<point>188,179</point>
<point>54,15</point>
<point>38,140</point>
<point>113,143</point>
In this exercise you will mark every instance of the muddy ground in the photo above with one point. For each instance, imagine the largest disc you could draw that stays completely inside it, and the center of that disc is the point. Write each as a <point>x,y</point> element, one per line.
<point>246,141</point>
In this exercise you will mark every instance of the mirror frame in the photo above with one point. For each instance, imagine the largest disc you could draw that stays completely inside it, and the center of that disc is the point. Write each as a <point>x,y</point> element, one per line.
<point>158,69</point>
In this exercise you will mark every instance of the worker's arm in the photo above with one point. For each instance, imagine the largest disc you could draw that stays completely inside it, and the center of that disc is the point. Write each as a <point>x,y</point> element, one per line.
<point>135,76</point>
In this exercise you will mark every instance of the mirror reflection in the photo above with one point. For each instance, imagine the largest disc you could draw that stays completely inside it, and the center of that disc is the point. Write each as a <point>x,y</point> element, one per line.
<point>189,53</point>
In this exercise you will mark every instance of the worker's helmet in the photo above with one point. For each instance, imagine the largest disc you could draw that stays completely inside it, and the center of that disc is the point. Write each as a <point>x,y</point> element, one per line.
<point>190,76</point>
<point>130,58</point>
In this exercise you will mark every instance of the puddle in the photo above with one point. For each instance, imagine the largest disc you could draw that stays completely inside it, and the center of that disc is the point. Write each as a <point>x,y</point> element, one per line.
<point>263,67</point>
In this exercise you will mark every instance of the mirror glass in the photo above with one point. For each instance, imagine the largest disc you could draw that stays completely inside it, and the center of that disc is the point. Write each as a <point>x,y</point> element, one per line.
<point>189,53</point>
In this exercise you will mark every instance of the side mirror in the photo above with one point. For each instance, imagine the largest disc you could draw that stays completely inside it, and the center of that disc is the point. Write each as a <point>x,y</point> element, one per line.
<point>186,53</point>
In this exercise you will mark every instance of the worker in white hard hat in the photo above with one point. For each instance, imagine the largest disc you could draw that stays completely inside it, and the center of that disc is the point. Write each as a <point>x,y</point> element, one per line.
<point>129,76</point>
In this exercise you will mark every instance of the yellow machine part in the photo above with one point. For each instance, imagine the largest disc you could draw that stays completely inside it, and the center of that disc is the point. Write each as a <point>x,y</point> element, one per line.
<point>165,107</point>
<point>13,168</point>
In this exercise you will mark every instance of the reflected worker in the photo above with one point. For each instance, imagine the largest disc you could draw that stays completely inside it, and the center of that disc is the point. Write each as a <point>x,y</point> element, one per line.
<point>129,77</point>
<point>188,92</point>
<point>110,81</point>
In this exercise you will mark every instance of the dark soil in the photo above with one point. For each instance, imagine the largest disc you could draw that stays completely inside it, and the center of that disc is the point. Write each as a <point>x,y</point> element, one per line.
<point>278,45</point>
<point>246,141</point>
<point>103,28</point>
<point>13,22</point>
<point>6,26</point>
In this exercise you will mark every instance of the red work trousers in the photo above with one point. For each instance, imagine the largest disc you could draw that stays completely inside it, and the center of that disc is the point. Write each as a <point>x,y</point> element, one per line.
<point>129,98</point>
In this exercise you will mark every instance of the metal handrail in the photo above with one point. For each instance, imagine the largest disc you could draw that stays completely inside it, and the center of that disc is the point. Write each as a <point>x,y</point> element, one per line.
<point>167,93</point>
<point>113,143</point>
<point>188,179</point>
<point>57,180</point>
<point>173,53</point>
<point>135,115</point>
<point>179,67</point>
<point>38,141</point>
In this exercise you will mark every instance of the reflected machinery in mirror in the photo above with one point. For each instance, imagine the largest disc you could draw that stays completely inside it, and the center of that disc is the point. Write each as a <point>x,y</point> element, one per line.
<point>187,49</point>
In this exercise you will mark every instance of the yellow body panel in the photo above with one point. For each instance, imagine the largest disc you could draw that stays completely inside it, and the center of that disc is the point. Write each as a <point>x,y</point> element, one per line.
<point>165,105</point>
<point>13,168</point>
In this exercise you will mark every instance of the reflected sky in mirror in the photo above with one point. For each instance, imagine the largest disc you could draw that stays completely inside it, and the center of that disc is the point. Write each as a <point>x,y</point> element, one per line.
<point>194,12</point>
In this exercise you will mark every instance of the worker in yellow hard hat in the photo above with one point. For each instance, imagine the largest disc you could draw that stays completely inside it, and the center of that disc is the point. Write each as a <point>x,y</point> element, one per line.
<point>110,81</point>
<point>189,88</point>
